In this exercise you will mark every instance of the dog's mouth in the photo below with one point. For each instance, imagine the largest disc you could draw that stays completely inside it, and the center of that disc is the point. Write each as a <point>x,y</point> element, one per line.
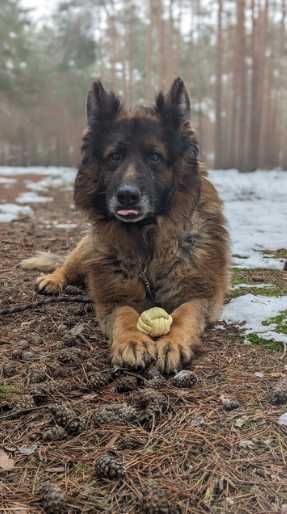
<point>129,215</point>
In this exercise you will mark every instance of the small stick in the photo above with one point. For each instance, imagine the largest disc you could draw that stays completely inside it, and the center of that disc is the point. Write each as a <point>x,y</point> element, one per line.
<point>45,301</point>
<point>20,412</point>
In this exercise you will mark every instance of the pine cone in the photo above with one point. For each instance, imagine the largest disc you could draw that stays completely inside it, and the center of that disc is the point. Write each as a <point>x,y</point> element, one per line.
<point>149,397</point>
<point>115,413</point>
<point>108,467</point>
<point>150,404</point>
<point>54,434</point>
<point>154,501</point>
<point>17,354</point>
<point>69,341</point>
<point>229,404</point>
<point>52,498</point>
<point>28,356</point>
<point>9,370</point>
<point>70,357</point>
<point>63,415</point>
<point>36,376</point>
<point>184,378</point>
<point>125,384</point>
<point>99,380</point>
<point>279,392</point>
<point>40,394</point>
<point>75,426</point>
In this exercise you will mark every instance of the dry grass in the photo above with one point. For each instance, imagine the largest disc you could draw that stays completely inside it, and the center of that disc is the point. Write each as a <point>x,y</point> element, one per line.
<point>205,459</point>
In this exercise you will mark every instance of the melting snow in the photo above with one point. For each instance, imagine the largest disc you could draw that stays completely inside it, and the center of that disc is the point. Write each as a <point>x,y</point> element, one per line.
<point>10,212</point>
<point>252,311</point>
<point>243,285</point>
<point>7,181</point>
<point>59,177</point>
<point>31,197</point>
<point>256,210</point>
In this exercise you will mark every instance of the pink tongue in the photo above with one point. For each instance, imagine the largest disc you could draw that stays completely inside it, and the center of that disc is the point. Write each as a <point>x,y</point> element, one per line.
<point>127,212</point>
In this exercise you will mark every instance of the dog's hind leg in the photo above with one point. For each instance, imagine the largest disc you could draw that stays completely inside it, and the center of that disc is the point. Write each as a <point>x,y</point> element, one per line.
<point>72,270</point>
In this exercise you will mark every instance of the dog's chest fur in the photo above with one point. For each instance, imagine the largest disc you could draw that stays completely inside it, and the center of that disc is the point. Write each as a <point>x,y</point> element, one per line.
<point>158,258</point>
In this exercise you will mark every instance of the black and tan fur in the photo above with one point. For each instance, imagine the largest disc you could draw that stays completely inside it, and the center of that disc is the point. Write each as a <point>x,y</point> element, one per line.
<point>175,254</point>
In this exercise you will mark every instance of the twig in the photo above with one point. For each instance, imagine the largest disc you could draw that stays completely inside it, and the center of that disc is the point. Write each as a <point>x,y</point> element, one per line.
<point>20,412</point>
<point>45,301</point>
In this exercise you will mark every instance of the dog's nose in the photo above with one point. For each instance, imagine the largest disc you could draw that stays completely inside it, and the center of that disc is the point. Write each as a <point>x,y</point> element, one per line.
<point>128,196</point>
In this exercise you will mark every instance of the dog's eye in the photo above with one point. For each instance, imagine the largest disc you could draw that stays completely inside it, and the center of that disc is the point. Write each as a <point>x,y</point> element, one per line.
<point>115,156</point>
<point>154,157</point>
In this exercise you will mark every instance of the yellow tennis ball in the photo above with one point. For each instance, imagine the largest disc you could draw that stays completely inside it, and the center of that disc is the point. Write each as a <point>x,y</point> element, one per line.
<point>154,322</point>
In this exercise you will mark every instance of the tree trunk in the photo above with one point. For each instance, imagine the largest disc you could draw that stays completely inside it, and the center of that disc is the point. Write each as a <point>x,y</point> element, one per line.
<point>218,89</point>
<point>259,29</point>
<point>241,50</point>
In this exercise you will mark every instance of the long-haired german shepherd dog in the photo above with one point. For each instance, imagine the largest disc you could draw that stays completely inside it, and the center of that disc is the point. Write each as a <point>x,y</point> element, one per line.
<point>157,233</point>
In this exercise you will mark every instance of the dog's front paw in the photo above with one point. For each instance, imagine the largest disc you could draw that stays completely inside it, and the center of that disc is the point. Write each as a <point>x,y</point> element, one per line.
<point>52,283</point>
<point>135,350</point>
<point>172,354</point>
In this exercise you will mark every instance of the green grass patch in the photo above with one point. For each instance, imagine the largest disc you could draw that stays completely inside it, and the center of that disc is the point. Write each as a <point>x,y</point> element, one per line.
<point>269,344</point>
<point>280,322</point>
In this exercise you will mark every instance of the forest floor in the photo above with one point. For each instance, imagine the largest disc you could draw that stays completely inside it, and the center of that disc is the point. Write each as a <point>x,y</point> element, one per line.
<point>215,446</point>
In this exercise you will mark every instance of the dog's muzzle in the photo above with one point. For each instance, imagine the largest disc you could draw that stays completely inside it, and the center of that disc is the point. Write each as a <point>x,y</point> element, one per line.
<point>129,204</point>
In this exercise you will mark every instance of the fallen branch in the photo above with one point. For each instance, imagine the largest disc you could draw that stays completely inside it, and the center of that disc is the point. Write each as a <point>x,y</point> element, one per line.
<point>45,301</point>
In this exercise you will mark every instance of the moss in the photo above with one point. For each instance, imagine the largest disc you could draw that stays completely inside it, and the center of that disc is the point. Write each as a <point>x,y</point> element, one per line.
<point>276,254</point>
<point>239,276</point>
<point>269,344</point>
<point>6,390</point>
<point>280,322</point>
<point>238,256</point>
<point>262,291</point>
<point>247,280</point>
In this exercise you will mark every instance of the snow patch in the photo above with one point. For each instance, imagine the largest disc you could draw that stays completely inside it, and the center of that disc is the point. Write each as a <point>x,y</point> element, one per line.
<point>31,197</point>
<point>63,180</point>
<point>7,181</point>
<point>10,212</point>
<point>256,210</point>
<point>252,310</point>
<point>245,285</point>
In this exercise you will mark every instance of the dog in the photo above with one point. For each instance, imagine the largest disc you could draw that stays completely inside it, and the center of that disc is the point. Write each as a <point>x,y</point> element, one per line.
<point>157,236</point>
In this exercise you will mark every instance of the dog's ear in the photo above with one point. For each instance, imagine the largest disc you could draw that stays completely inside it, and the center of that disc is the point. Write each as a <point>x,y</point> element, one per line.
<point>102,105</point>
<point>175,106</point>
<point>178,96</point>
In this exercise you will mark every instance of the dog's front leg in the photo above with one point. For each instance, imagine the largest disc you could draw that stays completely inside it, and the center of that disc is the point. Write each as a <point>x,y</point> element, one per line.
<point>178,347</point>
<point>130,347</point>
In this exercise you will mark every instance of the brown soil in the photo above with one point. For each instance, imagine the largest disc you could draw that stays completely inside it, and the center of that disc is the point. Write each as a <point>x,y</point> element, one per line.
<point>178,449</point>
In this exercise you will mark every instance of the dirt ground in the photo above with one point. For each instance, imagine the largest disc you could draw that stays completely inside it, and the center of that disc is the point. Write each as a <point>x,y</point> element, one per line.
<point>114,442</point>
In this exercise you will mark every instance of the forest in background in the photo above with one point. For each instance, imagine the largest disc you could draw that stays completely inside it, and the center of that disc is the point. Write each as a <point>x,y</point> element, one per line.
<point>231,53</point>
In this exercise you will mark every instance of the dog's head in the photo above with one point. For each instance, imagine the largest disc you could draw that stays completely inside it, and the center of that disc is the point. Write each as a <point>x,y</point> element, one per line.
<point>134,161</point>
